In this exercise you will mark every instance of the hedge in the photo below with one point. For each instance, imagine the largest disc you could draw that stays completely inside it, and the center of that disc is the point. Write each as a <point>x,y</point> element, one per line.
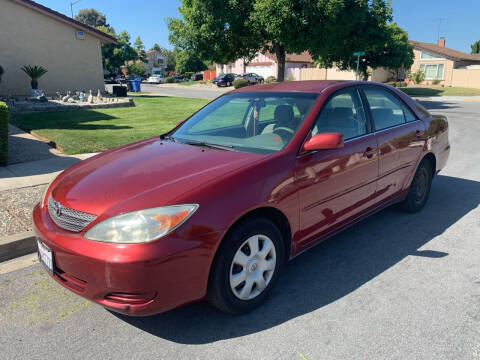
<point>4,115</point>
<point>240,83</point>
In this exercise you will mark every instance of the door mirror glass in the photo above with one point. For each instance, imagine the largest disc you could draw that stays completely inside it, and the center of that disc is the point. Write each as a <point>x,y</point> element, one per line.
<point>324,141</point>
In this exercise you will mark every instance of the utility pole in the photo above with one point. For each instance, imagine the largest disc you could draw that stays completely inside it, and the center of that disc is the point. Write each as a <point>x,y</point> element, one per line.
<point>71,6</point>
<point>439,26</point>
<point>358,54</point>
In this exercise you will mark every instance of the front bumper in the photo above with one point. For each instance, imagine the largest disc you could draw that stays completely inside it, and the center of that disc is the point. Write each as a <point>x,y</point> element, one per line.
<point>133,279</point>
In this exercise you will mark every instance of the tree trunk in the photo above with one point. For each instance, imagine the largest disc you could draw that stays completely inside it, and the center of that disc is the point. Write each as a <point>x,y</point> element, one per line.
<point>280,54</point>
<point>34,84</point>
<point>244,66</point>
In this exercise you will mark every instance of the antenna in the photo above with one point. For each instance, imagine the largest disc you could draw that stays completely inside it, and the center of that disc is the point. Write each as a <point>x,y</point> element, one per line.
<point>71,6</point>
<point>439,26</point>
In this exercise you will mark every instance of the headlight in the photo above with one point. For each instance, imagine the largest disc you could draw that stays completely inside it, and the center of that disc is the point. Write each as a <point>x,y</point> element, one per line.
<point>141,226</point>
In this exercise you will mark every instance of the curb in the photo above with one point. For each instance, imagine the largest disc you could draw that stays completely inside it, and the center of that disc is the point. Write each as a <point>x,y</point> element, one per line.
<point>17,245</point>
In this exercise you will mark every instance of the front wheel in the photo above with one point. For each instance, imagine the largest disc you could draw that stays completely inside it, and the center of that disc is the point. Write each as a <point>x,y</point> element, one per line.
<point>246,266</point>
<point>419,188</point>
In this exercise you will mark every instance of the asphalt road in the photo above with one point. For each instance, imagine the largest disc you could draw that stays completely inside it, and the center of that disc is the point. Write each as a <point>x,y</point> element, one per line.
<point>182,91</point>
<point>394,286</point>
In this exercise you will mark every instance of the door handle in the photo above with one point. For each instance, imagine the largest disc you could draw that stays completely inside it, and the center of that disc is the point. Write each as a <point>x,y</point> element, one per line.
<point>419,133</point>
<point>369,152</point>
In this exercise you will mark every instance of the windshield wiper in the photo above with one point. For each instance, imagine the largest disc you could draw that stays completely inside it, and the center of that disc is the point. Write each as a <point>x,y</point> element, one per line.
<point>209,145</point>
<point>167,137</point>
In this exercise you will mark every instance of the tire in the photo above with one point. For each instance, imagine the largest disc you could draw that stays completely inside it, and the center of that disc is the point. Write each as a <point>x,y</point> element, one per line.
<point>419,188</point>
<point>229,84</point>
<point>235,288</point>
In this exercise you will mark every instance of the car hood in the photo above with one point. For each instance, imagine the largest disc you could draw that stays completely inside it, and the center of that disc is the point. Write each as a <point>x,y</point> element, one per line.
<point>146,174</point>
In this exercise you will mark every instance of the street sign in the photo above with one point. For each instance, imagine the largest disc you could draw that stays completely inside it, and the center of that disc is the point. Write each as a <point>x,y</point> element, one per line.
<point>359,53</point>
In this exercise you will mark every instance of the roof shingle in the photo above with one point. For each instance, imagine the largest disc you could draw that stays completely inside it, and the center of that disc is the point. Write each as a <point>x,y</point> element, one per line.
<point>447,52</point>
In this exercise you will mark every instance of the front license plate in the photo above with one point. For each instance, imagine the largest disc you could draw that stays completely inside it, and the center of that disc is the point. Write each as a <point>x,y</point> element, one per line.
<point>45,255</point>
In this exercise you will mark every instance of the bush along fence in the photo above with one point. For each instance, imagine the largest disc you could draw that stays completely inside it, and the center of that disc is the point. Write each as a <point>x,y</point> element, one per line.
<point>4,115</point>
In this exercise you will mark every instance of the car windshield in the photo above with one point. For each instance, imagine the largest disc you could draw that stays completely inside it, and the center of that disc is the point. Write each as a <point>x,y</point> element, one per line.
<point>248,122</point>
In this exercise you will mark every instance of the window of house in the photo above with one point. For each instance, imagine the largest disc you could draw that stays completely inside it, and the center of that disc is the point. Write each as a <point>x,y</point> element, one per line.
<point>430,55</point>
<point>433,71</point>
<point>160,61</point>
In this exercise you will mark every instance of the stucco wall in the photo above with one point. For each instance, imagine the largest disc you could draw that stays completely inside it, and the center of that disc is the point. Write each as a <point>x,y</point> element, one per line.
<point>466,78</point>
<point>448,66</point>
<point>31,38</point>
<point>380,74</point>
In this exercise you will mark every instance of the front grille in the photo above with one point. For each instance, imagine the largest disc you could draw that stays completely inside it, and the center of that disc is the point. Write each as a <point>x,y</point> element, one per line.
<point>68,219</point>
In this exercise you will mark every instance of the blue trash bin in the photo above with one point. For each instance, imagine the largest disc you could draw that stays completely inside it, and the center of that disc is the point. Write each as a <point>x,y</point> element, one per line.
<point>136,85</point>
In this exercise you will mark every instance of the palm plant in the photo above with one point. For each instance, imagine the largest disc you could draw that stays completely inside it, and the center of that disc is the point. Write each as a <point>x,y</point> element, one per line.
<point>34,72</point>
<point>1,73</point>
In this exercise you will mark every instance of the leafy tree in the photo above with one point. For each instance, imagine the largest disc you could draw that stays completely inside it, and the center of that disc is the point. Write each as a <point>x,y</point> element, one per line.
<point>116,55</point>
<point>138,45</point>
<point>476,47</point>
<point>188,61</point>
<point>158,48</point>
<point>136,68</point>
<point>92,17</point>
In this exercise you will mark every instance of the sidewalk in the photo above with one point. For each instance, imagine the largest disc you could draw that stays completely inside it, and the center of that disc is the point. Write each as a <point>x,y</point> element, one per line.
<point>33,164</point>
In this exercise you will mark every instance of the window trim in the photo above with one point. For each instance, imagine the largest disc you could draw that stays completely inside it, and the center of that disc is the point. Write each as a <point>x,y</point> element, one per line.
<point>442,78</point>
<point>354,89</point>
<point>404,104</point>
<point>430,53</point>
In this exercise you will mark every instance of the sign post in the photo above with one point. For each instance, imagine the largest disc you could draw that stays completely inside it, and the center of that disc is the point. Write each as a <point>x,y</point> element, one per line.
<point>358,54</point>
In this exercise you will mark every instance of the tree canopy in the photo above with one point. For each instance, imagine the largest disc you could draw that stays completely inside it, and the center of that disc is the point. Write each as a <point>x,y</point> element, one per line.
<point>476,47</point>
<point>92,18</point>
<point>188,61</point>
<point>116,55</point>
<point>138,45</point>
<point>331,30</point>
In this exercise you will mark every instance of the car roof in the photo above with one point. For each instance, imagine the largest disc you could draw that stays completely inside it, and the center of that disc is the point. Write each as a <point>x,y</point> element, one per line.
<point>315,86</point>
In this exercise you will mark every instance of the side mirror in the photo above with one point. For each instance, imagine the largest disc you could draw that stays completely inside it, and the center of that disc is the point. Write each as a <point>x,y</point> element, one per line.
<point>324,141</point>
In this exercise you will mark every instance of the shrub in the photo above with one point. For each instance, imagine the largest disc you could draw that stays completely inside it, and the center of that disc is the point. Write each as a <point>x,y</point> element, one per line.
<point>270,79</point>
<point>136,69</point>
<point>34,72</point>
<point>4,115</point>
<point>290,78</point>
<point>169,80</point>
<point>436,82</point>
<point>239,83</point>
<point>417,77</point>
<point>1,73</point>
<point>203,82</point>
<point>188,74</point>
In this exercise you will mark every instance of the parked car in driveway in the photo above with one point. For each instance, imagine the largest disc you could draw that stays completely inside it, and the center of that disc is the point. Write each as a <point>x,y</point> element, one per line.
<point>178,78</point>
<point>253,78</point>
<point>214,208</point>
<point>156,79</point>
<point>225,80</point>
<point>197,77</point>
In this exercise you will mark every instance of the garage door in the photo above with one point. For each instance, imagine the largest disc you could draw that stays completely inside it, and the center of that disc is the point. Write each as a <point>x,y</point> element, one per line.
<point>264,71</point>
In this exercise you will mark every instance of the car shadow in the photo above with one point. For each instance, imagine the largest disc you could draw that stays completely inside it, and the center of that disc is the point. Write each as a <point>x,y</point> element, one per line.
<point>329,271</point>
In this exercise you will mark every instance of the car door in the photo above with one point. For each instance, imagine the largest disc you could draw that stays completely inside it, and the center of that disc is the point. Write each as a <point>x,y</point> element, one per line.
<point>401,140</point>
<point>337,185</point>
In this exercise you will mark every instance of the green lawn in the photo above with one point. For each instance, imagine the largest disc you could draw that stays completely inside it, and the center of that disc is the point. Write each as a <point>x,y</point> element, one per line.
<point>439,91</point>
<point>188,83</point>
<point>98,130</point>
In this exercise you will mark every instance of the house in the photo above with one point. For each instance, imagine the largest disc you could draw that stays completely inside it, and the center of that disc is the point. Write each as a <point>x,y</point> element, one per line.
<point>32,34</point>
<point>446,66</point>
<point>266,64</point>
<point>156,62</point>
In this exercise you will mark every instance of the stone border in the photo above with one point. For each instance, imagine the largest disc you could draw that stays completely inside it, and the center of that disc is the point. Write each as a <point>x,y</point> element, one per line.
<point>24,108</point>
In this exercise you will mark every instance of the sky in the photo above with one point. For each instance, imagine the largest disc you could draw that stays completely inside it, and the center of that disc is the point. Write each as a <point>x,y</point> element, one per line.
<point>146,18</point>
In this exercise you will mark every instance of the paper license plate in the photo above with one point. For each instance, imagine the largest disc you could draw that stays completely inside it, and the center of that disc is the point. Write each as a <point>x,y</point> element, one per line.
<point>45,256</point>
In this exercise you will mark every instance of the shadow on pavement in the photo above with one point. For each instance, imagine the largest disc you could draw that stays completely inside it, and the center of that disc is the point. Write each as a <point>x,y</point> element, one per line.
<point>438,105</point>
<point>330,271</point>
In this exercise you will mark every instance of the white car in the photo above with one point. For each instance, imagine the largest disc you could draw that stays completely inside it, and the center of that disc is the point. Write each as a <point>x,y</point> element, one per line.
<point>156,79</point>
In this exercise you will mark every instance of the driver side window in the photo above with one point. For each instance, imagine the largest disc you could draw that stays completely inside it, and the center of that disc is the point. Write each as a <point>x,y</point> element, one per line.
<point>343,114</point>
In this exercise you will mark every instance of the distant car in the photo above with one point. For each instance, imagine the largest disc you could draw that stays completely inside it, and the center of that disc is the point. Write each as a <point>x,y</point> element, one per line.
<point>178,78</point>
<point>156,79</point>
<point>197,77</point>
<point>209,211</point>
<point>253,78</point>
<point>225,80</point>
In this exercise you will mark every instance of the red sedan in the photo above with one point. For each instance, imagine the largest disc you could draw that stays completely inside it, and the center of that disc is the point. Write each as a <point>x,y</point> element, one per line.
<point>214,208</point>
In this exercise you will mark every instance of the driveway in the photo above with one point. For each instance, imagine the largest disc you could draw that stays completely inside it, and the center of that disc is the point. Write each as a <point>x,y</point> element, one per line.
<point>396,286</point>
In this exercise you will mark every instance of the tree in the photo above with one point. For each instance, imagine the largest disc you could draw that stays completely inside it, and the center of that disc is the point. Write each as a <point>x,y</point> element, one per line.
<point>136,68</point>
<point>91,17</point>
<point>138,45</point>
<point>476,47</point>
<point>370,30</point>
<point>188,61</point>
<point>116,55</point>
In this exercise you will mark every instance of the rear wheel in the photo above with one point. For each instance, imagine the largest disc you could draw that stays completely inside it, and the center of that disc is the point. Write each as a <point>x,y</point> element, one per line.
<point>246,267</point>
<point>419,188</point>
